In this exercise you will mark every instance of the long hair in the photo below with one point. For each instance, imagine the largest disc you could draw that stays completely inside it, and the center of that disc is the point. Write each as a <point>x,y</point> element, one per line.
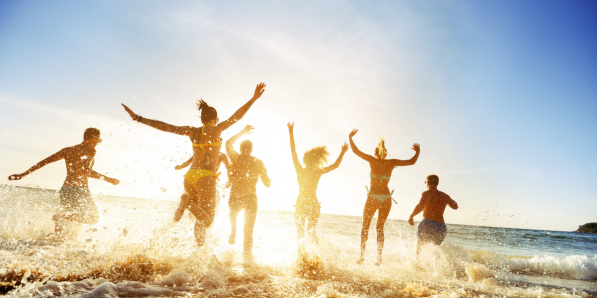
<point>316,157</point>
<point>380,151</point>
<point>208,113</point>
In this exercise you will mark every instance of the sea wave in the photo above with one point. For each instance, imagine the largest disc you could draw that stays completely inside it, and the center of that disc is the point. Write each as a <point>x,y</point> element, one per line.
<point>577,267</point>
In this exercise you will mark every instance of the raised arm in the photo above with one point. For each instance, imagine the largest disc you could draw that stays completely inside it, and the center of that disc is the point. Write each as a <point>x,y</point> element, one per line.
<point>338,161</point>
<point>420,207</point>
<point>295,160</point>
<point>263,174</point>
<point>397,162</point>
<point>179,130</point>
<point>52,158</point>
<point>230,143</point>
<point>243,110</point>
<point>184,164</point>
<point>356,150</point>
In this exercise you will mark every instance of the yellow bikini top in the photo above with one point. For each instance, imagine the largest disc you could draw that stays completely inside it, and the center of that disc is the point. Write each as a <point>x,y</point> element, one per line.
<point>218,143</point>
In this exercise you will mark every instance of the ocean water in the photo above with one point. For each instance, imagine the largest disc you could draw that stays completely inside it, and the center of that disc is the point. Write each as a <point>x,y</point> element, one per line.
<point>136,250</point>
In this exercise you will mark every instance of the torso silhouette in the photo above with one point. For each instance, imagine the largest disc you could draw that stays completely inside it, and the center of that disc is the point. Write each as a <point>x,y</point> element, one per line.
<point>438,200</point>
<point>308,180</point>
<point>206,156</point>
<point>79,161</point>
<point>246,170</point>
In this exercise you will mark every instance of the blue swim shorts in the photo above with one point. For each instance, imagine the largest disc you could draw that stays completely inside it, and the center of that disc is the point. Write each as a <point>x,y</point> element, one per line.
<point>431,231</point>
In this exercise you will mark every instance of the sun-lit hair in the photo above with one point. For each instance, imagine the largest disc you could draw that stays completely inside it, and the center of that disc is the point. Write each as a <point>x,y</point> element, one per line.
<point>380,150</point>
<point>433,180</point>
<point>208,113</point>
<point>91,133</point>
<point>316,157</point>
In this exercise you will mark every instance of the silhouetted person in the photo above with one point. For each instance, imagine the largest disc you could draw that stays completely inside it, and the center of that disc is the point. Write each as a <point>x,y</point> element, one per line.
<point>244,175</point>
<point>379,197</point>
<point>200,181</point>
<point>433,204</point>
<point>307,205</point>
<point>76,203</point>
<point>185,200</point>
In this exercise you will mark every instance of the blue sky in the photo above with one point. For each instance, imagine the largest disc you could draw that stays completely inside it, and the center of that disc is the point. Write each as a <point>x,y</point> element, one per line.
<point>501,95</point>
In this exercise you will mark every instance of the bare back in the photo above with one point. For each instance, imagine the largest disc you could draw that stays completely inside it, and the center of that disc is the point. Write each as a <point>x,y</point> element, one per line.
<point>436,204</point>
<point>308,181</point>
<point>381,167</point>
<point>79,161</point>
<point>206,156</point>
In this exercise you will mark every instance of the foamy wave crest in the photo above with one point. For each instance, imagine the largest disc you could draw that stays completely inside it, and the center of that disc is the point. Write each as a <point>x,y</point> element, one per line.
<point>572,267</point>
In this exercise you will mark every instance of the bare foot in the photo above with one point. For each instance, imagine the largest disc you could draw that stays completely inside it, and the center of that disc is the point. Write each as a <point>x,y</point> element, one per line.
<point>232,239</point>
<point>178,214</point>
<point>378,263</point>
<point>360,261</point>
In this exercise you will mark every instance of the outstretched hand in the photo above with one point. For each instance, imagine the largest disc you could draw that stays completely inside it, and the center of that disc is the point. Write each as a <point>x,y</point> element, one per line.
<point>248,129</point>
<point>290,126</point>
<point>16,177</point>
<point>353,132</point>
<point>416,147</point>
<point>113,181</point>
<point>178,167</point>
<point>259,90</point>
<point>131,113</point>
<point>344,147</point>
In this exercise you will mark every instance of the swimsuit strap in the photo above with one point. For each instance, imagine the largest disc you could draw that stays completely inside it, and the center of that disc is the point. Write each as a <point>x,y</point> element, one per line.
<point>382,176</point>
<point>219,143</point>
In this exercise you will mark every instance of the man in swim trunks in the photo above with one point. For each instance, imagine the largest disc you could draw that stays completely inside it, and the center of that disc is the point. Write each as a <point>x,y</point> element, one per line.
<point>433,204</point>
<point>244,175</point>
<point>76,203</point>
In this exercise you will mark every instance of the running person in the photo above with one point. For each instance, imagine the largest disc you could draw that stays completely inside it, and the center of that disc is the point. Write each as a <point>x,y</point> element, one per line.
<point>76,203</point>
<point>433,204</point>
<point>200,180</point>
<point>307,206</point>
<point>245,173</point>
<point>379,197</point>
<point>185,199</point>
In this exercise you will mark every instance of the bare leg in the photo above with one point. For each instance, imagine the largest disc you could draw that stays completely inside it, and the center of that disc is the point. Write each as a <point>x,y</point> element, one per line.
<point>382,216</point>
<point>419,247</point>
<point>299,220</point>
<point>368,212</point>
<point>312,229</point>
<point>250,217</point>
<point>204,207</point>
<point>184,203</point>
<point>233,215</point>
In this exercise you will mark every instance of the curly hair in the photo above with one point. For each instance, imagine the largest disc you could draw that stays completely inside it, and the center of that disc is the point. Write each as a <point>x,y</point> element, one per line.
<point>380,151</point>
<point>208,113</point>
<point>316,157</point>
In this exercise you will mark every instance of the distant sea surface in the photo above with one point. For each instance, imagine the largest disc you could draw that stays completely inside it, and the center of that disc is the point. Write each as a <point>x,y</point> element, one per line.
<point>136,250</point>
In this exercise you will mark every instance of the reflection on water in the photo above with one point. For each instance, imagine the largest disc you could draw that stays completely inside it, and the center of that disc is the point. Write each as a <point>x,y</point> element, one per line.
<point>136,250</point>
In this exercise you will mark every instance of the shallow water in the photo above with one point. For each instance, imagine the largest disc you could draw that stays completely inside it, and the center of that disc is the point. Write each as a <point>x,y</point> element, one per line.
<point>136,250</point>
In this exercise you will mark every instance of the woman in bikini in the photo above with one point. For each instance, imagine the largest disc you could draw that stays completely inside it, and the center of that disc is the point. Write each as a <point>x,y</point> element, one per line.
<point>379,197</point>
<point>307,205</point>
<point>200,180</point>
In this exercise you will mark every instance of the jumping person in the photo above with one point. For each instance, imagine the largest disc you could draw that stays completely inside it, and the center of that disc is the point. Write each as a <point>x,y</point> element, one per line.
<point>76,203</point>
<point>245,173</point>
<point>307,206</point>
<point>379,197</point>
<point>200,180</point>
<point>185,199</point>
<point>433,204</point>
